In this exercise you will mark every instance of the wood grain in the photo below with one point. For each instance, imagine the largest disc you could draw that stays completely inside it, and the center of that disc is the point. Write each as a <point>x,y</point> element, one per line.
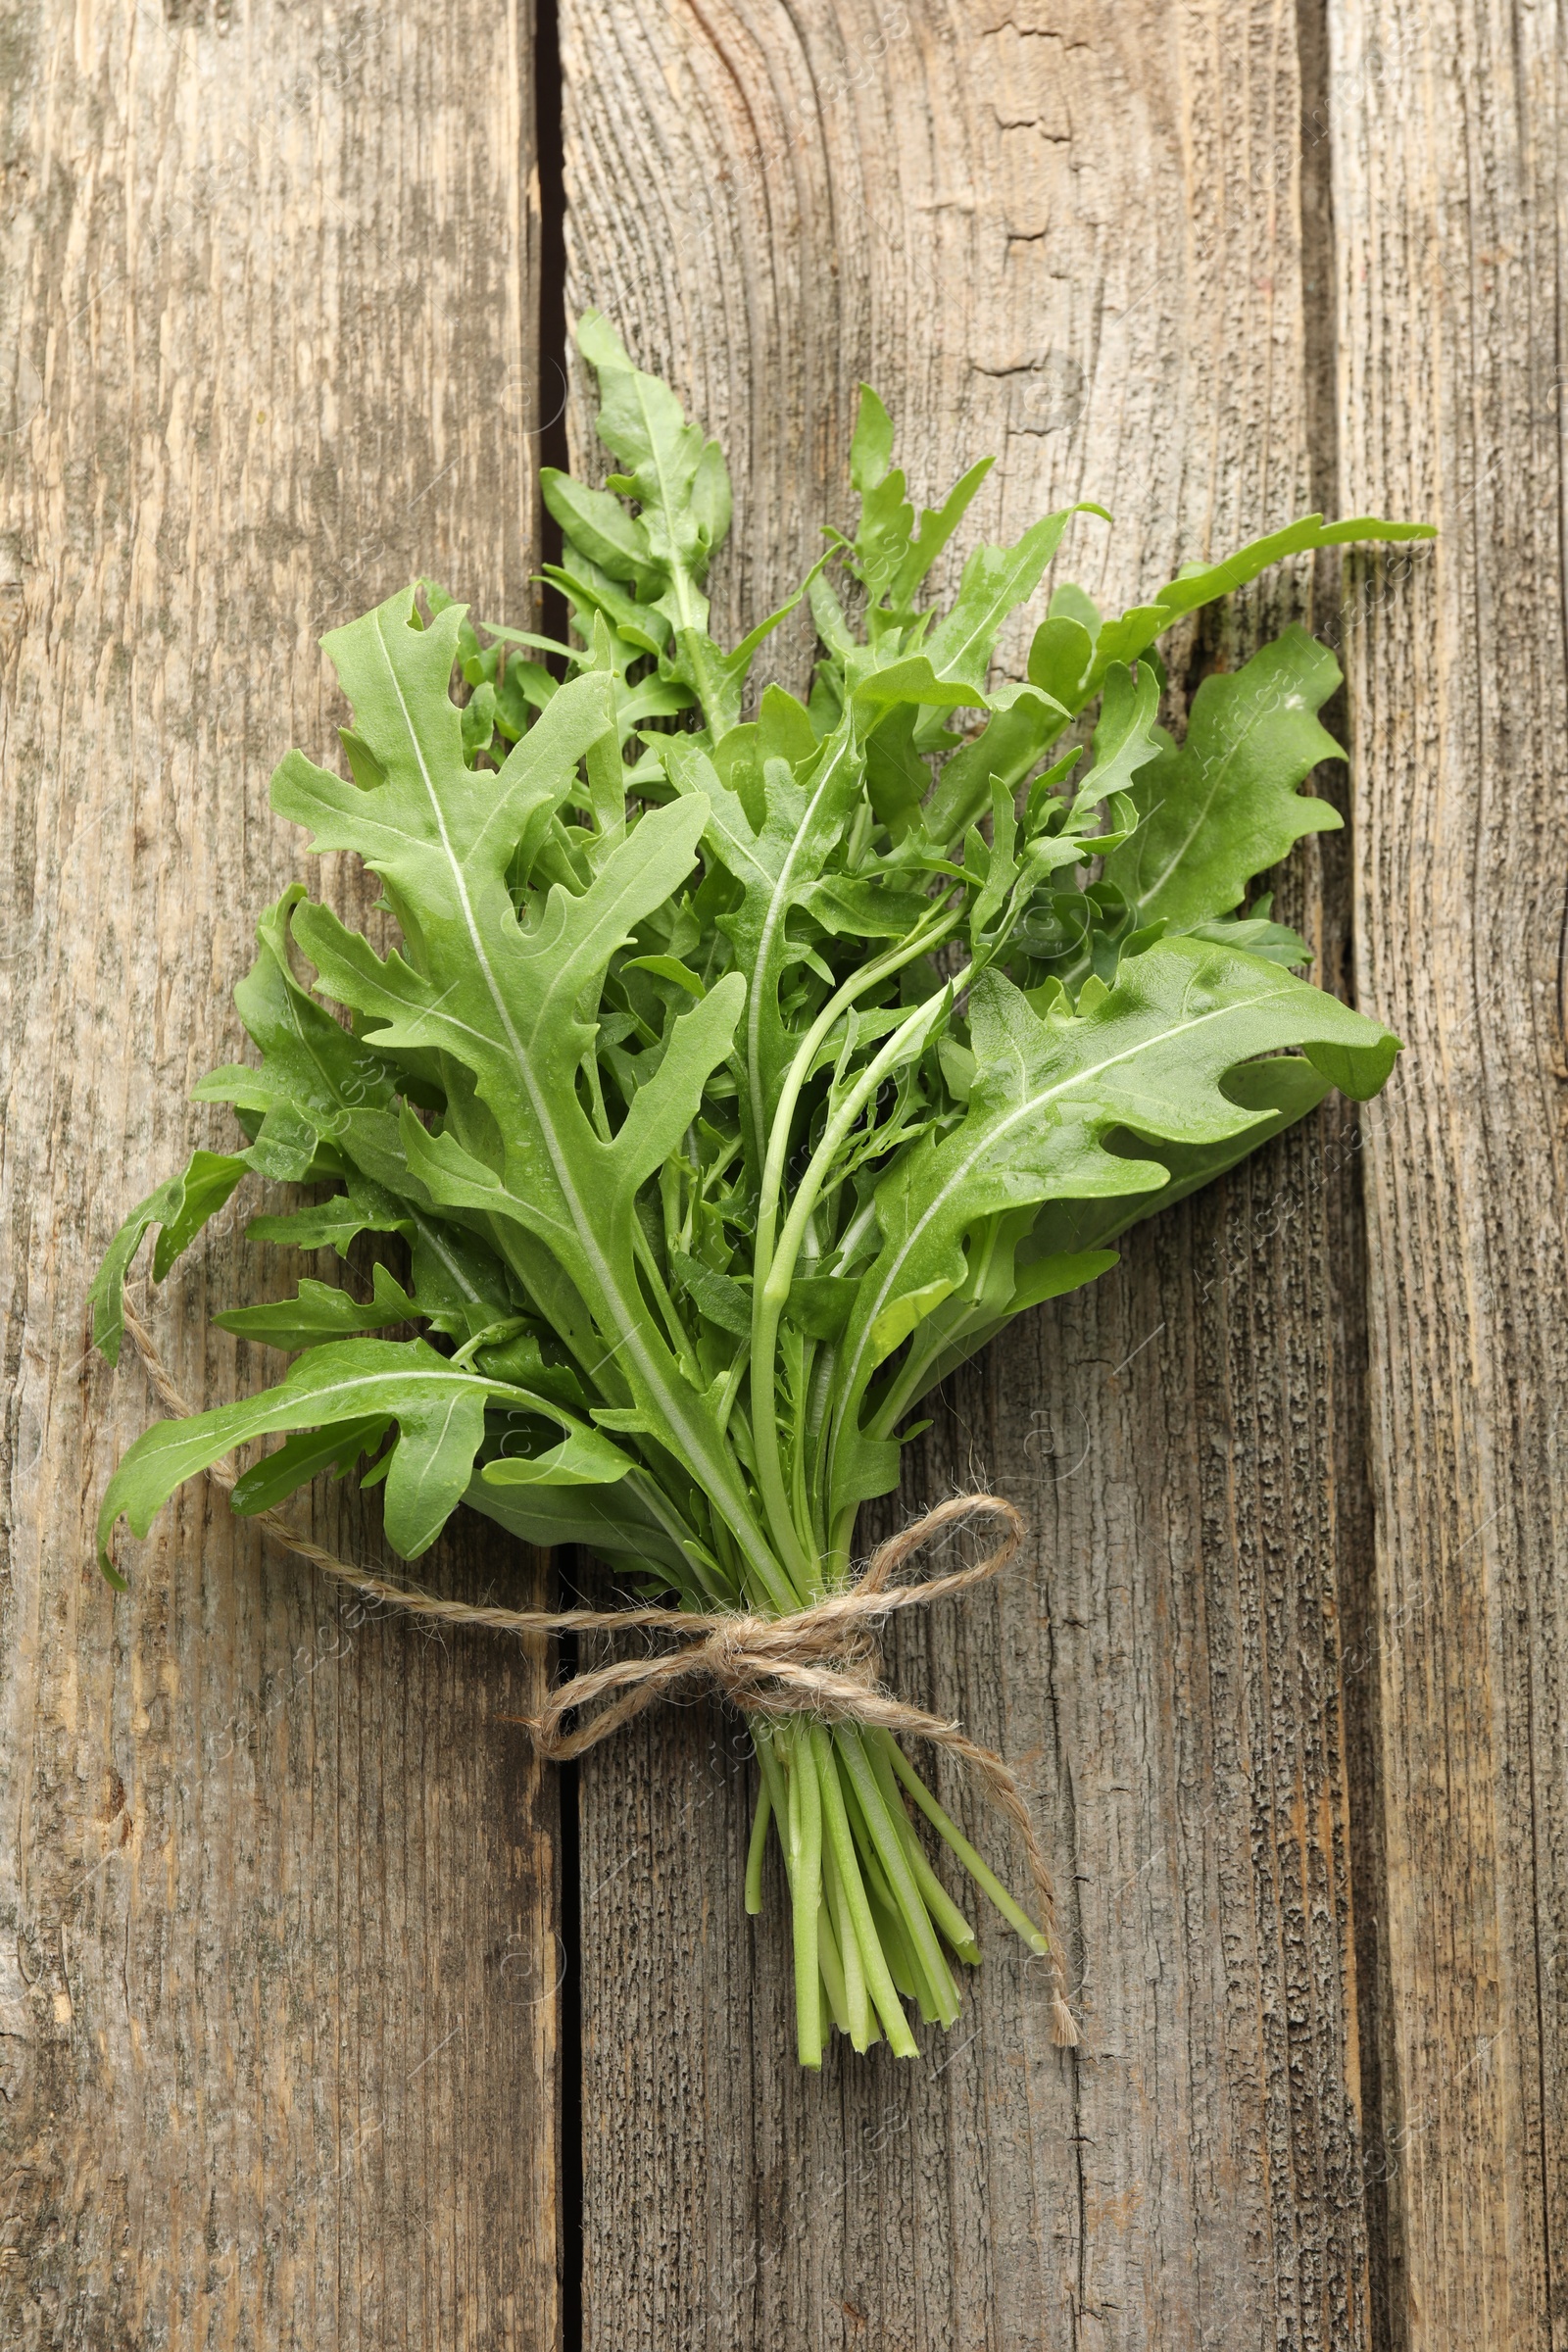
<point>1072,236</point>
<point>1449,138</point>
<point>277,1962</point>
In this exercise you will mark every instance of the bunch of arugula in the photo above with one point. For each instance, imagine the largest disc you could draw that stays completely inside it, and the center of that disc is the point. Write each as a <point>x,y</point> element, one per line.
<point>734,1079</point>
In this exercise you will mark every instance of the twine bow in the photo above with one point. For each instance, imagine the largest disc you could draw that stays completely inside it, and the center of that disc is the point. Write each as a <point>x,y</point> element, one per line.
<point>819,1661</point>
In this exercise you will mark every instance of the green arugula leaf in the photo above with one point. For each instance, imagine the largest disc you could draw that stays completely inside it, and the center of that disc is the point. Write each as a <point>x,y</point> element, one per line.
<point>1059,654</point>
<point>180,1207</point>
<point>503,1001</point>
<point>1226,804</point>
<point>821,1305</point>
<point>1021,730</point>
<point>1150,1057</point>
<point>777,868</point>
<point>581,1458</point>
<point>1276,1093</point>
<point>1257,934</point>
<point>724,1302</point>
<point>362,1206</point>
<point>602,529</point>
<point>996,581</point>
<point>1056,1276</point>
<point>1125,739</point>
<point>1200,584</point>
<point>305,1456</point>
<point>320,1312</point>
<point>606,1519</point>
<point>936,527</point>
<point>438,1408</point>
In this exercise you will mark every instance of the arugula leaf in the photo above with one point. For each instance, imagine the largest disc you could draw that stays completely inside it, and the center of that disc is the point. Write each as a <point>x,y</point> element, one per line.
<point>605,1519</point>
<point>303,1456</point>
<point>995,580</point>
<point>1148,1056</point>
<point>1200,584</point>
<point>891,556</point>
<point>362,1206</point>
<point>179,1208</point>
<point>777,868</point>
<point>438,1408</point>
<point>1226,804</point>
<point>320,1311</point>
<point>721,1301</point>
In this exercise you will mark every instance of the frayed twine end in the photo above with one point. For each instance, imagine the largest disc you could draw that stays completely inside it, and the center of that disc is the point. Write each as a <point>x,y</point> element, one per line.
<point>1064,2034</point>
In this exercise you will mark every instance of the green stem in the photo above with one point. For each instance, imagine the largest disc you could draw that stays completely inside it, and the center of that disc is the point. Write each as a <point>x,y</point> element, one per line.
<point>832,1968</point>
<point>769,1295</point>
<point>884,1993</point>
<point>778,1141</point>
<point>893,1854</point>
<point>836,1565</point>
<point>491,1337</point>
<point>771,1474</point>
<point>772,1804</point>
<point>903,1967</point>
<point>806,1876</point>
<point>941,1905</point>
<point>984,1877</point>
<point>894,1944</point>
<point>759,1844</point>
<point>776,1782</point>
<point>857,2000</point>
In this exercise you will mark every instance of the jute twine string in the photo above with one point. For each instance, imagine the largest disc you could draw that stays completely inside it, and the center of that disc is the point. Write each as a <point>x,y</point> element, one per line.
<point>821,1661</point>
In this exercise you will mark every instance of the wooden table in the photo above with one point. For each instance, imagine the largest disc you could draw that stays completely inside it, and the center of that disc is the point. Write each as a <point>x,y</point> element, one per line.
<point>326,2020</point>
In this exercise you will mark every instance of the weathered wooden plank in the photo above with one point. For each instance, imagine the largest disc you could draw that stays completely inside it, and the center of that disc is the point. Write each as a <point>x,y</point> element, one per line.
<point>276,1964</point>
<point>1072,236</point>
<point>1449,126</point>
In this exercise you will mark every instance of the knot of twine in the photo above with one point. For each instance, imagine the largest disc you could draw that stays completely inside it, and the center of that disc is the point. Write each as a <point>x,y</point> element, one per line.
<point>819,1661</point>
